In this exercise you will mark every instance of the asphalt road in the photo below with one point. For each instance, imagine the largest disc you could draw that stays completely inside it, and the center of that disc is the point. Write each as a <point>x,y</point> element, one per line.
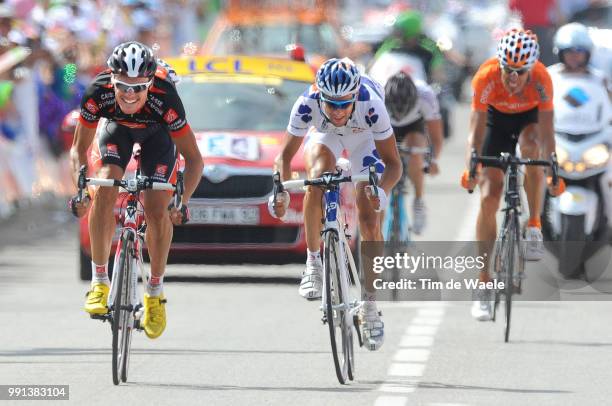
<point>241,335</point>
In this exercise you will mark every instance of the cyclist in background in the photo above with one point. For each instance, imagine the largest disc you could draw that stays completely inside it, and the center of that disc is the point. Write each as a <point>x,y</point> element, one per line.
<point>512,103</point>
<point>140,104</point>
<point>412,106</point>
<point>408,38</point>
<point>343,110</point>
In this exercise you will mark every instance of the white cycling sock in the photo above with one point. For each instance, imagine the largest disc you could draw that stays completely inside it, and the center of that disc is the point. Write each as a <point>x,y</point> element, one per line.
<point>313,255</point>
<point>155,285</point>
<point>99,274</point>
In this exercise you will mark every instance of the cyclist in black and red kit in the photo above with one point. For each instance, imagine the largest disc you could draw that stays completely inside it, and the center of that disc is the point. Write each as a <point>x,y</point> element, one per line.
<point>138,100</point>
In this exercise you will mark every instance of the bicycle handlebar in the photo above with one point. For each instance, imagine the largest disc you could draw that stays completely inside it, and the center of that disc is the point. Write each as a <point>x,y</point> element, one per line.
<point>507,160</point>
<point>328,178</point>
<point>134,185</point>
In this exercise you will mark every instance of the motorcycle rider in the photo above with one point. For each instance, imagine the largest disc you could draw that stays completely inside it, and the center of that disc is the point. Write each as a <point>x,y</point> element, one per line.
<point>573,45</point>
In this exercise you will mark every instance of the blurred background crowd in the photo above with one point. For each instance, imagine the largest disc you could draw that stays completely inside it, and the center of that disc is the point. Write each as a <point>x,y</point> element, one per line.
<point>51,49</point>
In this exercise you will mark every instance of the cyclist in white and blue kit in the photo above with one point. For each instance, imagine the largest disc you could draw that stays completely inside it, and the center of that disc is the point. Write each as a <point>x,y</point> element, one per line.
<point>342,111</point>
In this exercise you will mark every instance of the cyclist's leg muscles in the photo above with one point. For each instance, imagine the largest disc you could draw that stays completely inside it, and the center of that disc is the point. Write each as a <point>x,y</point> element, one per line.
<point>319,158</point>
<point>158,161</point>
<point>497,140</point>
<point>415,163</point>
<point>114,145</point>
<point>534,177</point>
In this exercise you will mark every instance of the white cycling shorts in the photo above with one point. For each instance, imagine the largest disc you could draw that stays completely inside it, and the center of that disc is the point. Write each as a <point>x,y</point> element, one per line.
<point>358,148</point>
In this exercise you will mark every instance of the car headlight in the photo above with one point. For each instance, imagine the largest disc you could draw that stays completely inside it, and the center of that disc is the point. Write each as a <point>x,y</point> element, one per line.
<point>596,156</point>
<point>562,155</point>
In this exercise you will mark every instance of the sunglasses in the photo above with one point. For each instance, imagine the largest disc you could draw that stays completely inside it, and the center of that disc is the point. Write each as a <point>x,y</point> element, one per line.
<point>338,104</point>
<point>136,88</point>
<point>519,72</point>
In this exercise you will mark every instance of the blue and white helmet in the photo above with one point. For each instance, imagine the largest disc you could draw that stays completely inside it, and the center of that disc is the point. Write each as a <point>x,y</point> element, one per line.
<point>338,78</point>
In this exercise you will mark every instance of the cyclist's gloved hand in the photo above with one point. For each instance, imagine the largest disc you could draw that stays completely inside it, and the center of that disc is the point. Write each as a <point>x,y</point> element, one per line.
<point>179,217</point>
<point>77,208</point>
<point>378,202</point>
<point>555,190</point>
<point>278,209</point>
<point>466,182</point>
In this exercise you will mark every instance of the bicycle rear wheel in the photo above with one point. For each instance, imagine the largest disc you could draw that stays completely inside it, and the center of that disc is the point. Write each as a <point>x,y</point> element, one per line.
<point>340,331</point>
<point>120,316</point>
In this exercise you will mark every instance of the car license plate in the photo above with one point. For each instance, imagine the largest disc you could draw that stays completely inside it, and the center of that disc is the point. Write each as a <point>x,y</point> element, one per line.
<point>224,215</point>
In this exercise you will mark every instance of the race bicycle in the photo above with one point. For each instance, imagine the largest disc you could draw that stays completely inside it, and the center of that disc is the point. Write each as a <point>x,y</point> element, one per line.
<point>125,310</point>
<point>340,301</point>
<point>509,256</point>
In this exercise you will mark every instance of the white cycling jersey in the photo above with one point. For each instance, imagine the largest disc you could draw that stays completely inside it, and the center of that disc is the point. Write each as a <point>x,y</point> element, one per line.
<point>369,122</point>
<point>426,107</point>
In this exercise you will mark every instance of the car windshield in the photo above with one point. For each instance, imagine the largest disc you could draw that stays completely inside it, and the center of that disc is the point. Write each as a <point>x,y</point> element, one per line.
<point>272,39</point>
<point>239,104</point>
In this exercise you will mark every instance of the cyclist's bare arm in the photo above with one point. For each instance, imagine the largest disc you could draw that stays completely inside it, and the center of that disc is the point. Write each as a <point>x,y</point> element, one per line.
<point>83,137</point>
<point>282,163</point>
<point>435,130</point>
<point>478,126</point>
<point>387,149</point>
<point>188,148</point>
<point>546,133</point>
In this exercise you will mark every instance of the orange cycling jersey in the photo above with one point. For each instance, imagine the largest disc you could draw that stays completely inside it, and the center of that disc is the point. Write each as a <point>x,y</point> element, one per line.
<point>490,91</point>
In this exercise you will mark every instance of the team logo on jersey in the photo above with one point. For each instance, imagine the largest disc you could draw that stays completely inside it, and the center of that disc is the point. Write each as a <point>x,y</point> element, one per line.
<point>373,159</point>
<point>112,151</point>
<point>92,106</point>
<point>576,97</point>
<point>160,171</point>
<point>170,116</point>
<point>372,117</point>
<point>304,113</point>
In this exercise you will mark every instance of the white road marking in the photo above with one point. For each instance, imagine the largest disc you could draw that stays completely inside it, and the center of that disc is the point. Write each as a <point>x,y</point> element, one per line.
<point>410,360</point>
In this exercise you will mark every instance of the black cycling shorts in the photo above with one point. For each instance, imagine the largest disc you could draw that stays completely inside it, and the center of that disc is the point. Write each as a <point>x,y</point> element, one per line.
<point>158,154</point>
<point>504,129</point>
<point>414,127</point>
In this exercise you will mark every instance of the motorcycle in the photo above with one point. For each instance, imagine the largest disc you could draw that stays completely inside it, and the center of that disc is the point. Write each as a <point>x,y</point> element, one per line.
<point>578,220</point>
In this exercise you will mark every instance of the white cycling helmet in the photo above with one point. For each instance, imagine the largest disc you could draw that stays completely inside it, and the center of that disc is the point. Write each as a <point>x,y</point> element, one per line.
<point>572,35</point>
<point>338,78</point>
<point>518,49</point>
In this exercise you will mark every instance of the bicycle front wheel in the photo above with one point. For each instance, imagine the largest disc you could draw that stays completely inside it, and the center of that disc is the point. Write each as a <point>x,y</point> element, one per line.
<point>336,308</point>
<point>121,314</point>
<point>510,258</point>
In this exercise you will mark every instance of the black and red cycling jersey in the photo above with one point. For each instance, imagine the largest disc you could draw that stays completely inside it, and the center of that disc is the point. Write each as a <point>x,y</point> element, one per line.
<point>163,105</point>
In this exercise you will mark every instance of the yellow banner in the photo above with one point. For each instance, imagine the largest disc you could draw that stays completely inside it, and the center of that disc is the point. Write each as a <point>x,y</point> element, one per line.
<point>242,65</point>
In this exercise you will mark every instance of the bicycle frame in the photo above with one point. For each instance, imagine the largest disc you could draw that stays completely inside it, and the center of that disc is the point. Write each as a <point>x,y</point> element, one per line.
<point>131,221</point>
<point>333,223</point>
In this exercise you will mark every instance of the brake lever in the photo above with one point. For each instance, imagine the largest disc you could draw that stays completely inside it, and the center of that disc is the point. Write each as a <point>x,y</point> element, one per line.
<point>277,185</point>
<point>373,179</point>
<point>180,188</point>
<point>81,182</point>
<point>555,168</point>
<point>473,164</point>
